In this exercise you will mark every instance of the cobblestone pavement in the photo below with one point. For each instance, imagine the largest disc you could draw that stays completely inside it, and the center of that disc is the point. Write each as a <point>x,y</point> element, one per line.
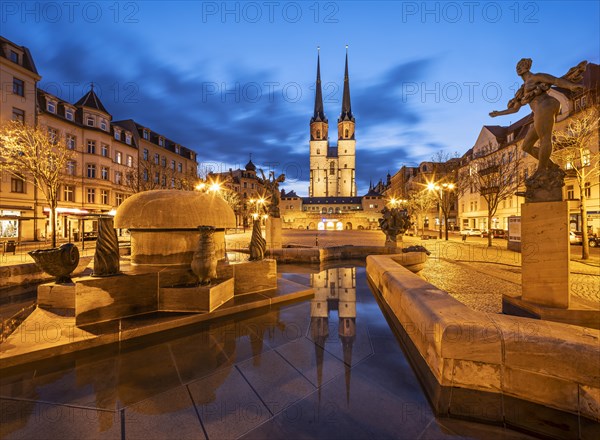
<point>472,272</point>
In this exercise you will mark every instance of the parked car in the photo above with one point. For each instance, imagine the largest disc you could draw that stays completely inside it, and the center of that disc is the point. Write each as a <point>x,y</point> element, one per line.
<point>496,233</point>
<point>575,237</point>
<point>594,241</point>
<point>471,231</point>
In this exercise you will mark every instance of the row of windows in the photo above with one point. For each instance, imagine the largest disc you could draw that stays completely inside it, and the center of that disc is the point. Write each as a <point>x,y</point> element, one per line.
<point>69,113</point>
<point>158,160</point>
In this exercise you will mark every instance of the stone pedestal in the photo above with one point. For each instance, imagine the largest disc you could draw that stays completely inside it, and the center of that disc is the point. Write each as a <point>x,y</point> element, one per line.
<point>546,253</point>
<point>195,299</point>
<point>274,233</point>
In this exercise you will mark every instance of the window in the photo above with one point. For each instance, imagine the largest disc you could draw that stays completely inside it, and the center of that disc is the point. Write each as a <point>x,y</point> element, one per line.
<point>117,135</point>
<point>156,177</point>
<point>18,87</point>
<point>104,150</point>
<point>69,114</point>
<point>318,134</point>
<point>17,185</point>
<point>53,135</point>
<point>163,161</point>
<point>18,115</point>
<point>163,180</point>
<point>118,177</point>
<point>331,168</point>
<point>156,158</point>
<point>129,160</point>
<point>90,121</point>
<point>145,175</point>
<point>91,147</point>
<point>91,171</point>
<point>118,157</point>
<point>71,167</point>
<point>172,182</point>
<point>346,133</point>
<point>119,198</point>
<point>128,139</point>
<point>69,193</point>
<point>104,196</point>
<point>587,189</point>
<point>318,151</point>
<point>177,149</point>
<point>146,134</point>
<point>71,142</point>
<point>570,192</point>
<point>91,195</point>
<point>103,124</point>
<point>586,158</point>
<point>173,165</point>
<point>51,106</point>
<point>161,141</point>
<point>180,167</point>
<point>104,173</point>
<point>145,154</point>
<point>14,57</point>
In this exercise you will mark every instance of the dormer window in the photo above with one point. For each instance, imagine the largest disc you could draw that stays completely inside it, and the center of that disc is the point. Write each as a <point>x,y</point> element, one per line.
<point>161,141</point>
<point>117,135</point>
<point>177,149</point>
<point>510,137</point>
<point>14,57</point>
<point>128,139</point>
<point>51,106</point>
<point>69,114</point>
<point>103,124</point>
<point>90,121</point>
<point>146,134</point>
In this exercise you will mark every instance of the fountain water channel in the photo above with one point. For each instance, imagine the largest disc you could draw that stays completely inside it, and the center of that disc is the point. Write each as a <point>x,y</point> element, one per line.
<point>327,367</point>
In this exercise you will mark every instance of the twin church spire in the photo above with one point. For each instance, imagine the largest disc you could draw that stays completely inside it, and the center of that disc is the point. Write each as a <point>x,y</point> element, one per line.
<point>319,112</point>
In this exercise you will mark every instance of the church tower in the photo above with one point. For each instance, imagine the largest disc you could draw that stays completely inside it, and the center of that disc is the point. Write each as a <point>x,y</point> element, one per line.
<point>346,143</point>
<point>319,142</point>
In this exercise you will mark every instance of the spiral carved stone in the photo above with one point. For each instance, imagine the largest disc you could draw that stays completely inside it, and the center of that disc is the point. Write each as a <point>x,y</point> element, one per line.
<point>58,262</point>
<point>106,257</point>
<point>204,262</point>
<point>258,245</point>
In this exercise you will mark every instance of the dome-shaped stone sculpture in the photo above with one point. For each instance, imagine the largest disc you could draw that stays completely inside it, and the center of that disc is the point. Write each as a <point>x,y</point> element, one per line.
<point>164,224</point>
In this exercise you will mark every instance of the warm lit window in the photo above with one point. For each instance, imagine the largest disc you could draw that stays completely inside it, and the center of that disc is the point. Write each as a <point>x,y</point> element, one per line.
<point>118,157</point>
<point>18,87</point>
<point>129,160</point>
<point>104,196</point>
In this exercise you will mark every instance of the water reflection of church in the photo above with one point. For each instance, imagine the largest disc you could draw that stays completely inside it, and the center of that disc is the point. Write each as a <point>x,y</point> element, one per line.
<point>335,290</point>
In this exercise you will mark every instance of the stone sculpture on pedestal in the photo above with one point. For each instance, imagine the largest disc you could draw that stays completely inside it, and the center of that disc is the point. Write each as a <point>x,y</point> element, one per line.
<point>258,245</point>
<point>58,262</point>
<point>272,185</point>
<point>204,261</point>
<point>106,257</point>
<point>545,185</point>
<point>393,222</point>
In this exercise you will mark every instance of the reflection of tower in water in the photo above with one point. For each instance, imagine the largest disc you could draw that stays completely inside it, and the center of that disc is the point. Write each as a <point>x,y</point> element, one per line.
<point>335,290</point>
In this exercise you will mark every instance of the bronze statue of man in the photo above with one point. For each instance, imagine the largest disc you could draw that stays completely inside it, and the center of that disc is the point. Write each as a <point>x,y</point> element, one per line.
<point>545,108</point>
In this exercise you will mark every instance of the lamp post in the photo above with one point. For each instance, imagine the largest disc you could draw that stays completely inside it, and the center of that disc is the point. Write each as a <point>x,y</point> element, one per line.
<point>439,188</point>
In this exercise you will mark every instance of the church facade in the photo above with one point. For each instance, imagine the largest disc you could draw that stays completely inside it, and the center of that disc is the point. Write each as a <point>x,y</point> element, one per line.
<point>332,201</point>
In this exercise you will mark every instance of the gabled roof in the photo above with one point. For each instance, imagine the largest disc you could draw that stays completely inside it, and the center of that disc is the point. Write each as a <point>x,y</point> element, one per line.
<point>91,100</point>
<point>27,61</point>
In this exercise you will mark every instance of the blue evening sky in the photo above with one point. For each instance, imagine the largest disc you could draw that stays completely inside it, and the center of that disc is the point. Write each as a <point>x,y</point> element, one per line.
<point>230,79</point>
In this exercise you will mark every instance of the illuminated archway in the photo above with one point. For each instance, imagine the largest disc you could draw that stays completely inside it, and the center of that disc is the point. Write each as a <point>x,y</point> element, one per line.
<point>321,226</point>
<point>339,226</point>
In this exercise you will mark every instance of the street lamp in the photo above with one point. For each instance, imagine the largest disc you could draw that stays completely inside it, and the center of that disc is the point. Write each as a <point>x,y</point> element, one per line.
<point>440,188</point>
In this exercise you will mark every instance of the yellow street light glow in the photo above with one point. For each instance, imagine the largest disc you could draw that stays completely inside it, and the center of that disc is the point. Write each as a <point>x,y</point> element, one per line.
<point>200,186</point>
<point>431,186</point>
<point>450,186</point>
<point>254,216</point>
<point>215,187</point>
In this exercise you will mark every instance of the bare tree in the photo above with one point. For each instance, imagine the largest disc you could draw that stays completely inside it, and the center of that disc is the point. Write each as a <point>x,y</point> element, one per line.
<point>38,156</point>
<point>418,204</point>
<point>573,151</point>
<point>495,177</point>
<point>148,175</point>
